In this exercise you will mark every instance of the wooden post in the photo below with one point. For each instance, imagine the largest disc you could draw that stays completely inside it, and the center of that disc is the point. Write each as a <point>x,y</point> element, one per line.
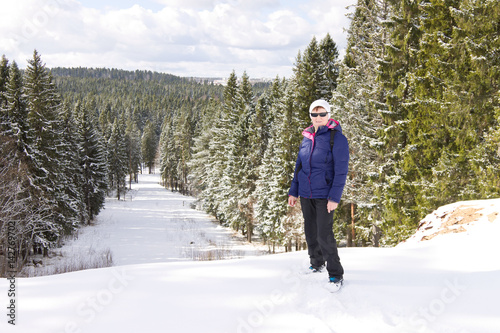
<point>352,224</point>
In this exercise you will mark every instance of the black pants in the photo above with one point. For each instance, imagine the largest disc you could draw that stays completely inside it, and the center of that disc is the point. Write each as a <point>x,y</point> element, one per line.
<point>321,243</point>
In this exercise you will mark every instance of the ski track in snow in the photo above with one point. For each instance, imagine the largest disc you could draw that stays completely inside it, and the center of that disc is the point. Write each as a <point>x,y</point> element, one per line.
<point>158,225</point>
<point>448,284</point>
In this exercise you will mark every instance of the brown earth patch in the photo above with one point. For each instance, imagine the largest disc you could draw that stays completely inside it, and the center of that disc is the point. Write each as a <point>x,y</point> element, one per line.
<point>461,215</point>
<point>444,231</point>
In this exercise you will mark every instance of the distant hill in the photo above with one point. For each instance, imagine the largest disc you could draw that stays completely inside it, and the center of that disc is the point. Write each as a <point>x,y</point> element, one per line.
<point>118,74</point>
<point>149,95</point>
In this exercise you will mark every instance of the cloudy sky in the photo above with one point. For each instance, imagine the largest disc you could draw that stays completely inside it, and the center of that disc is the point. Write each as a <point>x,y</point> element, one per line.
<point>206,38</point>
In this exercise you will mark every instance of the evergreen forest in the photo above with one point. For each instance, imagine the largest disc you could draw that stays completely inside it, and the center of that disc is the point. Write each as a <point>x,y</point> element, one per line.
<point>417,95</point>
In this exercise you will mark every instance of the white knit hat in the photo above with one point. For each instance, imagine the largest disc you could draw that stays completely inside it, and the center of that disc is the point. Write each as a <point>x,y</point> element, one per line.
<point>320,102</point>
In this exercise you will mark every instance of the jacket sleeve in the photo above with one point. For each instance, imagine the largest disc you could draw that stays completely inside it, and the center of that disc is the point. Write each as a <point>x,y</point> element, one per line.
<point>294,188</point>
<point>340,167</point>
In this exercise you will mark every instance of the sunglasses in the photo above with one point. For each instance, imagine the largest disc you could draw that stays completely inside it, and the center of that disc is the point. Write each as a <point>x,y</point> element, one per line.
<point>322,114</point>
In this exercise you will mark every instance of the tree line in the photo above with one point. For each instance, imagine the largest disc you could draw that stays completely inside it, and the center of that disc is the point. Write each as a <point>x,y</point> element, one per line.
<point>52,161</point>
<point>418,91</point>
<point>71,137</point>
<point>417,94</point>
<point>242,163</point>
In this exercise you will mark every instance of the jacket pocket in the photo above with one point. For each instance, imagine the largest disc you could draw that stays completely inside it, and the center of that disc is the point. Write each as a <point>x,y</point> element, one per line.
<point>328,179</point>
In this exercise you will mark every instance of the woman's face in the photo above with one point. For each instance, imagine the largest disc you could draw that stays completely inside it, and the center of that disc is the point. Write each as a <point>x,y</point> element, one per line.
<point>319,120</point>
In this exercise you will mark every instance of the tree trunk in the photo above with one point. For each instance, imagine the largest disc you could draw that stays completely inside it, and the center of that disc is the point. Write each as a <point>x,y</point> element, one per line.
<point>353,230</point>
<point>249,231</point>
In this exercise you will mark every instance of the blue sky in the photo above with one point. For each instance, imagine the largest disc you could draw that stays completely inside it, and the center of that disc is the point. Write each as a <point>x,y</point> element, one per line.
<point>207,38</point>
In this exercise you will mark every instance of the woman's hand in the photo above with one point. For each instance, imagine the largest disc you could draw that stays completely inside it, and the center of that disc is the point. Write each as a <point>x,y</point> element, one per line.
<point>292,200</point>
<point>331,206</point>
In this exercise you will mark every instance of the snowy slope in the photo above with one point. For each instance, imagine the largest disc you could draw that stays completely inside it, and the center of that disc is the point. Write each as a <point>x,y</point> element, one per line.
<point>467,217</point>
<point>446,284</point>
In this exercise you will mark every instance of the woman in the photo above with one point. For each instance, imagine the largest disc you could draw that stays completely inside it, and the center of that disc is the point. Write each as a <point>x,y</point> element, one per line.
<point>319,179</point>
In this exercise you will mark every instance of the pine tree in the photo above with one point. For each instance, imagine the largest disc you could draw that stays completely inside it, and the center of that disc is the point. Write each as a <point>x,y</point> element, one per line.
<point>149,145</point>
<point>183,138</point>
<point>15,109</point>
<point>45,151</point>
<point>18,211</point>
<point>221,146</point>
<point>309,73</point>
<point>269,209</point>
<point>203,158</point>
<point>133,148</point>
<point>21,214</point>
<point>237,203</point>
<point>260,123</point>
<point>4,78</point>
<point>316,72</point>
<point>329,57</point>
<point>274,172</point>
<point>72,168</point>
<point>277,223</point>
<point>289,137</point>
<point>357,103</point>
<point>168,155</point>
<point>117,159</point>
<point>472,96</point>
<point>92,161</point>
<point>400,213</point>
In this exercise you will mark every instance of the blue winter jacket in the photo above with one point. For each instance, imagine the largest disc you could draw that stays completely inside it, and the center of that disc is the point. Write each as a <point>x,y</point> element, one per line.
<point>319,172</point>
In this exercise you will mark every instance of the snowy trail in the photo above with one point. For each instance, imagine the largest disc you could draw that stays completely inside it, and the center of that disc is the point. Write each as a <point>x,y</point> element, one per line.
<point>156,225</point>
<point>448,284</point>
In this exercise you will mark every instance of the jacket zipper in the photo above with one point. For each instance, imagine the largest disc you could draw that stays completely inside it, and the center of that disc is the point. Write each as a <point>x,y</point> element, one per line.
<point>310,165</point>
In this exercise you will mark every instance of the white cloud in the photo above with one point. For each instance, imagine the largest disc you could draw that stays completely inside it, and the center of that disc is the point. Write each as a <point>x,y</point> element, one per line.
<point>186,37</point>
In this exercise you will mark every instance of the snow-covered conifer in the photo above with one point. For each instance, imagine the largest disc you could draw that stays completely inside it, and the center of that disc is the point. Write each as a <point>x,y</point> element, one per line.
<point>133,145</point>
<point>358,103</point>
<point>149,144</point>
<point>117,159</point>
<point>46,150</point>
<point>92,160</point>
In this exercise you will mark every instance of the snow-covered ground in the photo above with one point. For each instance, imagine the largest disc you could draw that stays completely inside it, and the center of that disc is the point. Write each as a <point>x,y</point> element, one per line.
<point>448,283</point>
<point>151,225</point>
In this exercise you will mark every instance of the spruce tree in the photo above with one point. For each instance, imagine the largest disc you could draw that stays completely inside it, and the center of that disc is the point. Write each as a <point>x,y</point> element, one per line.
<point>203,158</point>
<point>272,184</point>
<point>117,159</point>
<point>270,205</point>
<point>45,150</point>
<point>168,155</point>
<point>72,168</point>
<point>309,73</point>
<point>221,146</point>
<point>400,213</point>
<point>316,72</point>
<point>92,161</point>
<point>21,213</point>
<point>133,148</point>
<point>279,224</point>
<point>149,144</point>
<point>288,138</point>
<point>330,67</point>
<point>357,104</point>
<point>472,96</point>
<point>237,205</point>
<point>4,78</point>
<point>15,109</point>
<point>183,138</point>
